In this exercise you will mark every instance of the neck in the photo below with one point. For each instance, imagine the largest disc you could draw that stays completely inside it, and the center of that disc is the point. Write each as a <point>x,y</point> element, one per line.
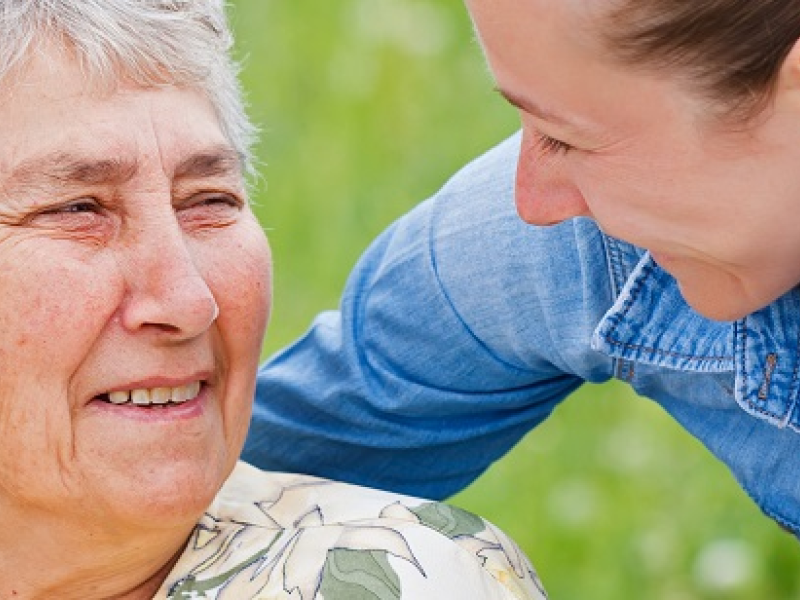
<point>56,560</point>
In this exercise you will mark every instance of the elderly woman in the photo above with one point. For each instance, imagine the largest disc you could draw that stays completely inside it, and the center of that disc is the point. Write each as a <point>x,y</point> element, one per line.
<point>136,289</point>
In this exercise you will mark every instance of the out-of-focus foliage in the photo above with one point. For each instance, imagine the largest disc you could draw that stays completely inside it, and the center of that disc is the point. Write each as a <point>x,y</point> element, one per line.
<point>366,108</point>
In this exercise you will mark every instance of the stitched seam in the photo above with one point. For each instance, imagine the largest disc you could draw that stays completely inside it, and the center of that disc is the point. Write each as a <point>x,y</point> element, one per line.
<point>623,368</point>
<point>745,370</point>
<point>740,334</point>
<point>614,263</point>
<point>634,295</point>
<point>762,411</point>
<point>647,272</point>
<point>793,385</point>
<point>756,408</point>
<point>664,352</point>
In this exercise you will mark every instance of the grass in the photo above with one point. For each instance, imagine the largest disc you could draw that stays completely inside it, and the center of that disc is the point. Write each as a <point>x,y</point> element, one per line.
<point>367,106</point>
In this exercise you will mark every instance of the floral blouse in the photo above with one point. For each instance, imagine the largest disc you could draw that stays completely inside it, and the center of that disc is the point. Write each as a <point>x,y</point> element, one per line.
<point>271,536</point>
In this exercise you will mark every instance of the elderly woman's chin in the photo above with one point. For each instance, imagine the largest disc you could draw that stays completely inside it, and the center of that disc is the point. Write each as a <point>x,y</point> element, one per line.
<point>167,473</point>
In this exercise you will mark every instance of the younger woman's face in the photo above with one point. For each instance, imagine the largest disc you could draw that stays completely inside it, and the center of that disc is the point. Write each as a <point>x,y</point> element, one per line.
<point>718,207</point>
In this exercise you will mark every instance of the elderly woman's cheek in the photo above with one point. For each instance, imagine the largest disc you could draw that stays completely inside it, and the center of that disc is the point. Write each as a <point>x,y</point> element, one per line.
<point>241,280</point>
<point>239,274</point>
<point>53,307</point>
<point>53,296</point>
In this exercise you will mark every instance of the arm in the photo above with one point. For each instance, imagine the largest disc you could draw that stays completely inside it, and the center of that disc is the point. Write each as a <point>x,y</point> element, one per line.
<point>442,356</point>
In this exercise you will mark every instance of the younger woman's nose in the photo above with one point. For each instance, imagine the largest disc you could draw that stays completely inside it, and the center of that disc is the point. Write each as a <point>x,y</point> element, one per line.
<point>544,193</point>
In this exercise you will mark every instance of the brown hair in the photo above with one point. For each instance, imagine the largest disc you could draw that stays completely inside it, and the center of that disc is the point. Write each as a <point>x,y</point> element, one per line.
<point>731,51</point>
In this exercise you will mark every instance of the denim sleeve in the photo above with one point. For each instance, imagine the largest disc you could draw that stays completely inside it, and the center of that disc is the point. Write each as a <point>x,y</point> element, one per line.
<point>460,329</point>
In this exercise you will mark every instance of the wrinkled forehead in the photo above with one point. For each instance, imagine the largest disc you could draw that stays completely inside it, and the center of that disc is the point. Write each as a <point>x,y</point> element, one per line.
<point>50,115</point>
<point>55,79</point>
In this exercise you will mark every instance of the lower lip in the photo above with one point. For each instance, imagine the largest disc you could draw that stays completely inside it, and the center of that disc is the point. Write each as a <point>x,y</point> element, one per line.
<point>155,413</point>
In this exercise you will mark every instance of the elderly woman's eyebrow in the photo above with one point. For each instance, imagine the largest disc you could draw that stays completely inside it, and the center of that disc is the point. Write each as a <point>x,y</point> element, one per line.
<point>63,168</point>
<point>66,169</point>
<point>219,161</point>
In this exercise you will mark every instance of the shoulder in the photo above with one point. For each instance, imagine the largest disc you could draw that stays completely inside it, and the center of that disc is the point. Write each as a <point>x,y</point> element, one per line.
<point>300,533</point>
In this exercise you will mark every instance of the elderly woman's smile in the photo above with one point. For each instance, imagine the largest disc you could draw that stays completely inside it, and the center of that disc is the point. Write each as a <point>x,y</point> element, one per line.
<point>136,286</point>
<point>161,396</point>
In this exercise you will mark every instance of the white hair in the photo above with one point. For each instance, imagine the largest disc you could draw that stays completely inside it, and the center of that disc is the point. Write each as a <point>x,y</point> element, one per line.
<point>148,42</point>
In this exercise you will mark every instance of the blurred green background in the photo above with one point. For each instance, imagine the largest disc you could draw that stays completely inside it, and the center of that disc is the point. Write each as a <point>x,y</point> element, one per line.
<point>366,108</point>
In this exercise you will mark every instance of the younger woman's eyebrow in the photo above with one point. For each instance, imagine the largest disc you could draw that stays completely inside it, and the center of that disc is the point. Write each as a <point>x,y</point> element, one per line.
<point>528,106</point>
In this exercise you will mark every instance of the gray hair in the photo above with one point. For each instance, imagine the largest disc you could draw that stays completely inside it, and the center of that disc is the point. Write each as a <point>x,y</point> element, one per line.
<point>148,42</point>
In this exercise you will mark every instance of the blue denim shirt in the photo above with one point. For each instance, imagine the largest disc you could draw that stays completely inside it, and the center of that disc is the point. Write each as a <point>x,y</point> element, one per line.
<point>461,328</point>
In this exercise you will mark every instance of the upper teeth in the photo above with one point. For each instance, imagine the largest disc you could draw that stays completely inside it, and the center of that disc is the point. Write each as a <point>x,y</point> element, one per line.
<point>161,395</point>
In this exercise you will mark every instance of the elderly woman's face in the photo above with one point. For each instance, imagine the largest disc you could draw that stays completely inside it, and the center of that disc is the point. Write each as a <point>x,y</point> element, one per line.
<point>135,291</point>
<point>718,209</point>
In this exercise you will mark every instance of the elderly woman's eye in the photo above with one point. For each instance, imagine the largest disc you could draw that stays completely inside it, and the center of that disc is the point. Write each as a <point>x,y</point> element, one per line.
<point>209,209</point>
<point>67,211</point>
<point>224,199</point>
<point>76,207</point>
<point>83,214</point>
<point>215,200</point>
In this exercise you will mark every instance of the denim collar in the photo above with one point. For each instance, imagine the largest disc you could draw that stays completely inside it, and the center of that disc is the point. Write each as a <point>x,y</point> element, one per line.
<point>651,324</point>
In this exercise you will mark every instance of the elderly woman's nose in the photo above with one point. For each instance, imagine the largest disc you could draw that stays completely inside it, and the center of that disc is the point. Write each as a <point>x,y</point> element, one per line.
<point>165,287</point>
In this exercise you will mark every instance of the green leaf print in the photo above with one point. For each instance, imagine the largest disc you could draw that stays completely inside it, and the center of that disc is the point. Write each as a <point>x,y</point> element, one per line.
<point>192,588</point>
<point>448,520</point>
<point>359,575</point>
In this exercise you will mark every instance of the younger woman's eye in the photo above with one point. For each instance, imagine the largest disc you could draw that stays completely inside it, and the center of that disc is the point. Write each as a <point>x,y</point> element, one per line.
<point>551,146</point>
